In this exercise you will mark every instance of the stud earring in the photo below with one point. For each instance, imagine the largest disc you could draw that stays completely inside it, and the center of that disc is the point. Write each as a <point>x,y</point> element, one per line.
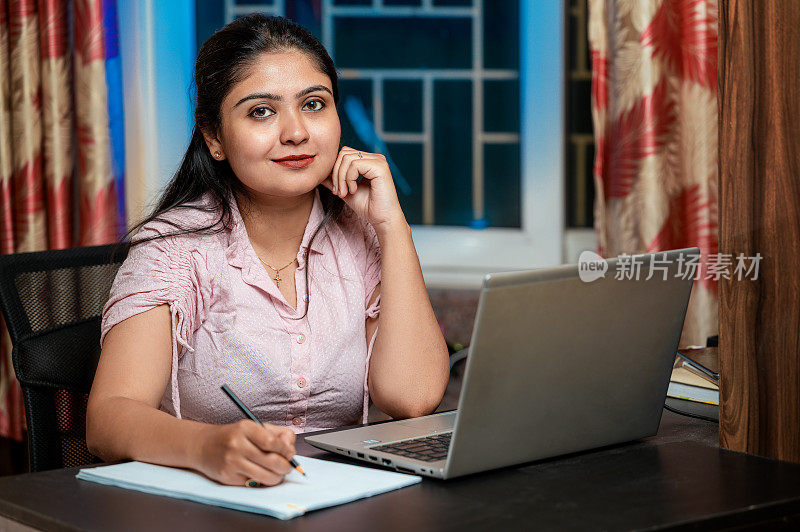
<point>217,154</point>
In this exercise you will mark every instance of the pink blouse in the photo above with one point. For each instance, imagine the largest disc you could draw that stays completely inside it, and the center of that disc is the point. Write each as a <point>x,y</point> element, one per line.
<point>231,325</point>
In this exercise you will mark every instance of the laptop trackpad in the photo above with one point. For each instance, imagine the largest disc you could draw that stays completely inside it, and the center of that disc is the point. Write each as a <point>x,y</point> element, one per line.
<point>409,428</point>
<point>434,423</point>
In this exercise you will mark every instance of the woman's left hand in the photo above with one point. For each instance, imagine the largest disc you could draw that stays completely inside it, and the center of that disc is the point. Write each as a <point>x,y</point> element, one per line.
<point>374,199</point>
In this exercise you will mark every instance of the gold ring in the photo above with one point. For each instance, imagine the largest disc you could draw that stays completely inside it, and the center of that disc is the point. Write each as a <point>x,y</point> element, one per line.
<point>251,483</point>
<point>360,156</point>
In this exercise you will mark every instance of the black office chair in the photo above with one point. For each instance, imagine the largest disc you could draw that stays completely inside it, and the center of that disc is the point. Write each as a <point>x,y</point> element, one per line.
<point>52,302</point>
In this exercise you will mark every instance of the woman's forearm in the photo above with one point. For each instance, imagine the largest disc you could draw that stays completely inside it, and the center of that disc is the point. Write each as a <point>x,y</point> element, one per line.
<point>121,428</point>
<point>409,367</point>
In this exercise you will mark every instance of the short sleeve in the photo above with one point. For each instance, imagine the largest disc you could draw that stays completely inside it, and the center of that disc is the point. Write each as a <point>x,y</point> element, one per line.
<point>362,240</point>
<point>372,277</point>
<point>162,271</point>
<point>372,270</point>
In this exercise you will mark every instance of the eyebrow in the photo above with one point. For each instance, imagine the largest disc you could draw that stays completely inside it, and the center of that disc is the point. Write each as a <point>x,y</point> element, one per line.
<point>275,97</point>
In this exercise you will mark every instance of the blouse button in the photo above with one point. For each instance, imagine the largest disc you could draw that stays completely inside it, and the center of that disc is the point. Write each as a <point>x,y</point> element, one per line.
<point>301,382</point>
<point>301,338</point>
<point>297,421</point>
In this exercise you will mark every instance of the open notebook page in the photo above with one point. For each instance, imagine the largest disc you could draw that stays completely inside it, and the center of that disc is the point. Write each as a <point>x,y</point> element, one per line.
<point>327,484</point>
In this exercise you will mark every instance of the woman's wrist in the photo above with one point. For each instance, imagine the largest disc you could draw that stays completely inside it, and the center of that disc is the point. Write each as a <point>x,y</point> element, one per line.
<point>194,440</point>
<point>394,226</point>
<point>180,442</point>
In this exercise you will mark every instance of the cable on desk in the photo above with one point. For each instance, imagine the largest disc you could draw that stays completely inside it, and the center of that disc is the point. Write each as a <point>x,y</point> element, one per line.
<point>689,414</point>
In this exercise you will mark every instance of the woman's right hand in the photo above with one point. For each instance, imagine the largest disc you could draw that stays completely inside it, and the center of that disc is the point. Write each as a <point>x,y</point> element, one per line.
<point>232,454</point>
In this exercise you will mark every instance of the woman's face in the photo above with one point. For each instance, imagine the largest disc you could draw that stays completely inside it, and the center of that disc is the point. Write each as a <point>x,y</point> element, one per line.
<point>283,108</point>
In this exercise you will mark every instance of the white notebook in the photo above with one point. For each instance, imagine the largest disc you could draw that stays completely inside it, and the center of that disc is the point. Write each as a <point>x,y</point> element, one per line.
<point>327,484</point>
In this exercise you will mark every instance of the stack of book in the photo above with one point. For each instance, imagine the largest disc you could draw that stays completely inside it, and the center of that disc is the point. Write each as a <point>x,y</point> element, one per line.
<point>694,385</point>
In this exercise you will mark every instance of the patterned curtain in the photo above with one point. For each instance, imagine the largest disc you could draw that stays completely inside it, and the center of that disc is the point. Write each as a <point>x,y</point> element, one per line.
<point>654,105</point>
<point>61,156</point>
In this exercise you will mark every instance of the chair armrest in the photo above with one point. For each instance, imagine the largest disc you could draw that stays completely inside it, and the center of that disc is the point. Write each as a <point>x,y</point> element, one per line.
<point>458,355</point>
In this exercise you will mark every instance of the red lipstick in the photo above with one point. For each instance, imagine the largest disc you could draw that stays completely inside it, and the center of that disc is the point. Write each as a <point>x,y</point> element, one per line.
<point>295,161</point>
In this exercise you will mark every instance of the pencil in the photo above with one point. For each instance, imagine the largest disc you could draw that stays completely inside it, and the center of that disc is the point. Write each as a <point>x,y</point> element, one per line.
<point>243,407</point>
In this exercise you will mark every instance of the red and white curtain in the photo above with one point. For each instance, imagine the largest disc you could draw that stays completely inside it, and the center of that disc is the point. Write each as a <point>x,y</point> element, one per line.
<point>58,127</point>
<point>654,105</point>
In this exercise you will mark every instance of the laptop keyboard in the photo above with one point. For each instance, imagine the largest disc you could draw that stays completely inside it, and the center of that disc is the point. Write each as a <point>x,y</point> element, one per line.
<point>427,449</point>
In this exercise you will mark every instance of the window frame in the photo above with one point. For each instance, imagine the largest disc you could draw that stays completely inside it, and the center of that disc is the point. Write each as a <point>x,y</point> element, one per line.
<point>451,257</point>
<point>469,254</point>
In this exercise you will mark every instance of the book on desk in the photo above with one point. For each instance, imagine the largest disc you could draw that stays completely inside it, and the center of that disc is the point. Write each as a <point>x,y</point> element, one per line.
<point>694,385</point>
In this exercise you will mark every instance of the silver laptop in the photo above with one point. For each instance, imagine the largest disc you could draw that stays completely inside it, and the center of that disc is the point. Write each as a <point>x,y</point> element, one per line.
<point>561,360</point>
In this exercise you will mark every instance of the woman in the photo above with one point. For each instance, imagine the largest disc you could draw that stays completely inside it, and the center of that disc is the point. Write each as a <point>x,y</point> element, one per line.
<point>275,262</point>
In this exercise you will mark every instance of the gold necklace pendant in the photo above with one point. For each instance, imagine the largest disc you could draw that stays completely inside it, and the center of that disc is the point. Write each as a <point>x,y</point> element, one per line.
<point>276,270</point>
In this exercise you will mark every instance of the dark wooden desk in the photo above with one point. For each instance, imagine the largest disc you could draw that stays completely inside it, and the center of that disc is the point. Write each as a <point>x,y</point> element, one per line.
<point>677,479</point>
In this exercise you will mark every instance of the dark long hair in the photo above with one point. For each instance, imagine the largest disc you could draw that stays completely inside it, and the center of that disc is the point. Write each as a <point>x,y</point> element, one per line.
<point>223,61</point>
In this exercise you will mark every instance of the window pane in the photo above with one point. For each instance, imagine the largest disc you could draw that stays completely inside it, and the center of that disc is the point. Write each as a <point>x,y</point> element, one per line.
<point>359,88</point>
<point>579,136</point>
<point>408,158</point>
<point>501,34</point>
<point>501,185</point>
<point>372,42</point>
<point>580,182</point>
<point>452,3</point>
<point>452,144</point>
<point>579,108</point>
<point>402,105</point>
<point>501,106</point>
